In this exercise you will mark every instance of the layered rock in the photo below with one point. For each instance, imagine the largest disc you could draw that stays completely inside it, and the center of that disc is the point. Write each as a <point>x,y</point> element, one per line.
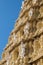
<point>25,43</point>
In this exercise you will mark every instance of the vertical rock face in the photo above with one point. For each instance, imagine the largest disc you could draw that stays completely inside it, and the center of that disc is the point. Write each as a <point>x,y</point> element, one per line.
<point>25,44</point>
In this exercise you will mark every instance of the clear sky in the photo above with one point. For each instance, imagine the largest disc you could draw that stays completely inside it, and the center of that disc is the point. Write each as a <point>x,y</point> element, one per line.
<point>9,11</point>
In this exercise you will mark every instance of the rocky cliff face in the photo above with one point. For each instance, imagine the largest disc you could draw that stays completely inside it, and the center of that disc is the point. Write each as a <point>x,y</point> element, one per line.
<point>25,43</point>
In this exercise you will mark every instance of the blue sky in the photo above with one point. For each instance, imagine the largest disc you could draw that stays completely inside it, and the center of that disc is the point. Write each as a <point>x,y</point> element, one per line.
<point>9,11</point>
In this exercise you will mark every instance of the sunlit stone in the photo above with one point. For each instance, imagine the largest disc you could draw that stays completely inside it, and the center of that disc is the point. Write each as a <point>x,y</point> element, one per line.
<point>8,62</point>
<point>25,44</point>
<point>30,13</point>
<point>20,22</point>
<point>15,38</point>
<point>22,50</point>
<point>34,1</point>
<point>26,28</point>
<point>8,59</point>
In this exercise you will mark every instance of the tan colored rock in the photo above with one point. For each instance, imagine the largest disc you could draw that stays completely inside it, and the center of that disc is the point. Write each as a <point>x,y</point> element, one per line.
<point>25,43</point>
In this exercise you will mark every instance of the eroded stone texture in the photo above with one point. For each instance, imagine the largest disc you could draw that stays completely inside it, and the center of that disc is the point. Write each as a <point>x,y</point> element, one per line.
<point>25,43</point>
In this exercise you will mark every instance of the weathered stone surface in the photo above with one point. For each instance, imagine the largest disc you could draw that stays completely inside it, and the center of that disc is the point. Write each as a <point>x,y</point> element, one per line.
<point>25,43</point>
